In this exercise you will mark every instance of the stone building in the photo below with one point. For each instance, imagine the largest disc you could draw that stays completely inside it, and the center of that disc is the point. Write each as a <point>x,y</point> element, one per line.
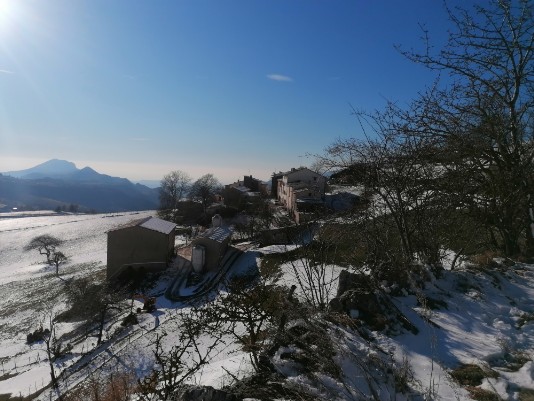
<point>146,244</point>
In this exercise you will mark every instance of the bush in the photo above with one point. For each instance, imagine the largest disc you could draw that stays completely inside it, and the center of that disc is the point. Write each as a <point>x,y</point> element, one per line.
<point>38,335</point>
<point>117,387</point>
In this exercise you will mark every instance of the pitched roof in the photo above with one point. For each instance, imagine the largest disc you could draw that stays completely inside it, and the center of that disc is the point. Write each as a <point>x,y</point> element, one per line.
<point>150,223</point>
<point>218,234</point>
<point>159,225</point>
<point>296,170</point>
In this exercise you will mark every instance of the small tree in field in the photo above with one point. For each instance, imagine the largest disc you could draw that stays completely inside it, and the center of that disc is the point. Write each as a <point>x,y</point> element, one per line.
<point>57,259</point>
<point>46,245</point>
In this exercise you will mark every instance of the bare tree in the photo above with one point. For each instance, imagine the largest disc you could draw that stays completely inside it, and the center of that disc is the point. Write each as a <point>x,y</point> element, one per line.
<point>178,361</point>
<point>398,174</point>
<point>483,119</point>
<point>95,302</point>
<point>54,347</point>
<point>314,269</point>
<point>466,150</point>
<point>58,258</point>
<point>173,188</point>
<point>248,313</point>
<point>46,245</point>
<point>204,190</point>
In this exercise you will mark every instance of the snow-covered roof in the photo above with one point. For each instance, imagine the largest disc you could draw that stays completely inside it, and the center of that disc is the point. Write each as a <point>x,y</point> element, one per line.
<point>159,225</point>
<point>218,234</point>
<point>150,223</point>
<point>303,189</point>
<point>296,170</point>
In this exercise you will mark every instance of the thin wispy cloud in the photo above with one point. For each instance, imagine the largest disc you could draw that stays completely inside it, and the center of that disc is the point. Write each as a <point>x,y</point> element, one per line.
<point>6,72</point>
<point>279,78</point>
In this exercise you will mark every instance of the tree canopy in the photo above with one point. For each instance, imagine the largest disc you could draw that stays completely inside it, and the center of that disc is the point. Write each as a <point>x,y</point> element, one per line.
<point>453,169</point>
<point>45,244</point>
<point>204,190</point>
<point>173,189</point>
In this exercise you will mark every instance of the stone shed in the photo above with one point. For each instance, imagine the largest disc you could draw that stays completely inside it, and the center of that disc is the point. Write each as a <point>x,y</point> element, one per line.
<point>209,248</point>
<point>146,244</point>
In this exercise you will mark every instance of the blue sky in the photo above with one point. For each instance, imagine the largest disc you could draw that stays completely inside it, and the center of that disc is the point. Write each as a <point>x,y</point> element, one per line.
<point>137,88</point>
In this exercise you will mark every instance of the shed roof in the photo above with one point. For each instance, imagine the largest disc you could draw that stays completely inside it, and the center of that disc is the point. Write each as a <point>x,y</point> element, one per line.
<point>150,223</point>
<point>159,225</point>
<point>217,234</point>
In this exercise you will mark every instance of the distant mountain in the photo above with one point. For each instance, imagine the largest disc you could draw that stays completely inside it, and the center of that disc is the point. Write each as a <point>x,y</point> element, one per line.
<point>52,169</point>
<point>60,183</point>
<point>149,183</point>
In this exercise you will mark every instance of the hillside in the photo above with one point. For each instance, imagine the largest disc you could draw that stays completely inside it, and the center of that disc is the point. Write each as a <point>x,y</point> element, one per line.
<point>477,318</point>
<point>58,183</point>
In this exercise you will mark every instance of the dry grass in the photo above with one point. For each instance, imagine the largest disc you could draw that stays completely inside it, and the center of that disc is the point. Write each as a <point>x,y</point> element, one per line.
<point>483,395</point>
<point>118,387</point>
<point>485,259</point>
<point>526,394</point>
<point>472,375</point>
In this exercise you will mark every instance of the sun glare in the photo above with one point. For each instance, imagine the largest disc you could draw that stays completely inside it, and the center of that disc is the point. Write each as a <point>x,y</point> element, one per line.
<point>5,5</point>
<point>7,11</point>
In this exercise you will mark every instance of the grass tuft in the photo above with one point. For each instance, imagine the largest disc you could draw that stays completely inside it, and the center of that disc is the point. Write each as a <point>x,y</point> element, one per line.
<point>472,375</point>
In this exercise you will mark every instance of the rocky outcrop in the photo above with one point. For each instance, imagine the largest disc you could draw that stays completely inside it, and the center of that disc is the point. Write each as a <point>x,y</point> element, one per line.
<point>206,393</point>
<point>360,299</point>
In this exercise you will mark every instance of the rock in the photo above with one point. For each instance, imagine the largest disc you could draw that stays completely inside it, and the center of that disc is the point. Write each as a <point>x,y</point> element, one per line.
<point>348,281</point>
<point>357,297</point>
<point>206,393</point>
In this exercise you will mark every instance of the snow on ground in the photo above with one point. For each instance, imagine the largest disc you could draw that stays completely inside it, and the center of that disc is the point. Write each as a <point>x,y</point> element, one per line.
<point>479,323</point>
<point>84,235</point>
<point>30,290</point>
<point>464,317</point>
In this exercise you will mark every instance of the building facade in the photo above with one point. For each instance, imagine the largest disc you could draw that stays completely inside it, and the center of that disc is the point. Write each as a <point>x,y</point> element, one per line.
<point>209,248</point>
<point>146,244</point>
<point>300,184</point>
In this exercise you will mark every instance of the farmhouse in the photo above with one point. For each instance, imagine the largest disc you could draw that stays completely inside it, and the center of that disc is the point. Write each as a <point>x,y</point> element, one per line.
<point>146,244</point>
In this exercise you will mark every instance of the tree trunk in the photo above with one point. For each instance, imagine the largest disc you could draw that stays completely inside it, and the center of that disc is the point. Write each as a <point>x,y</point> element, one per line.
<point>101,325</point>
<point>51,363</point>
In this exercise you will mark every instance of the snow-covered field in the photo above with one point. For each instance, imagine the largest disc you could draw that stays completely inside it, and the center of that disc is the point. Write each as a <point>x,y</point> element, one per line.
<point>30,290</point>
<point>482,317</point>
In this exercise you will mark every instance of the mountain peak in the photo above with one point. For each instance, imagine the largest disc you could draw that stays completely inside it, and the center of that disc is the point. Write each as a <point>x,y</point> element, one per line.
<point>57,164</point>
<point>50,168</point>
<point>88,170</point>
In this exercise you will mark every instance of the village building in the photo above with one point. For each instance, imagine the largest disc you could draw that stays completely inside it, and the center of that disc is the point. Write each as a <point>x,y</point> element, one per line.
<point>146,244</point>
<point>301,191</point>
<point>274,183</point>
<point>209,248</point>
<point>243,194</point>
